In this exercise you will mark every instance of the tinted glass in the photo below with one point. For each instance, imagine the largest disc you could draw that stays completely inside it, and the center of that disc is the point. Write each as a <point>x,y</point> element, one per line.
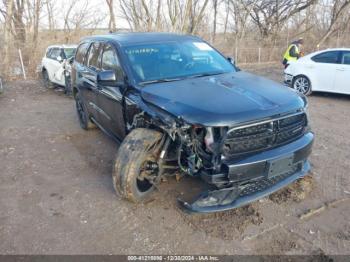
<point>55,52</point>
<point>346,58</point>
<point>327,57</point>
<point>48,52</point>
<point>94,53</point>
<point>110,61</point>
<point>69,52</point>
<point>81,52</point>
<point>173,60</point>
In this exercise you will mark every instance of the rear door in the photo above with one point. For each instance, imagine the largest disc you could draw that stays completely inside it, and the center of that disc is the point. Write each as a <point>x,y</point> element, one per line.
<point>110,98</point>
<point>342,75</point>
<point>53,64</point>
<point>325,70</point>
<point>88,78</point>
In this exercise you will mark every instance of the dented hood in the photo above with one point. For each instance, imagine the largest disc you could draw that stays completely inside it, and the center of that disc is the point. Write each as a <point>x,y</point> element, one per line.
<point>223,100</point>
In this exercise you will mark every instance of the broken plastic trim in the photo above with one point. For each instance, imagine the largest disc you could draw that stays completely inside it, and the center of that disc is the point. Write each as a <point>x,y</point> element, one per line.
<point>228,198</point>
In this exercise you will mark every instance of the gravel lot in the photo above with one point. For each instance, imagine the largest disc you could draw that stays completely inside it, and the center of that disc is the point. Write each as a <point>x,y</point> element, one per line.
<point>56,194</point>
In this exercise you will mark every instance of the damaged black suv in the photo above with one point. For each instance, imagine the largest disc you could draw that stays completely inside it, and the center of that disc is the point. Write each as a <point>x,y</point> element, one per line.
<point>177,104</point>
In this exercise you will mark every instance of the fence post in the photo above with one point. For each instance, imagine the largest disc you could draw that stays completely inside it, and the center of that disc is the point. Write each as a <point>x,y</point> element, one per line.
<point>23,70</point>
<point>259,56</point>
<point>236,54</point>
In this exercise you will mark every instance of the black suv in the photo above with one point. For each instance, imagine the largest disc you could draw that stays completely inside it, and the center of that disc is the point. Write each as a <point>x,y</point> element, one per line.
<point>177,104</point>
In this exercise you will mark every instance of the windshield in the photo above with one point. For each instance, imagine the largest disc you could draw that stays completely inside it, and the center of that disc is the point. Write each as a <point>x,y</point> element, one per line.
<point>174,61</point>
<point>69,52</point>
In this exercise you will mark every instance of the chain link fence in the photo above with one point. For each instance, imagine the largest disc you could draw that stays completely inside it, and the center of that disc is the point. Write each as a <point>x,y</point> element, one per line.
<point>26,64</point>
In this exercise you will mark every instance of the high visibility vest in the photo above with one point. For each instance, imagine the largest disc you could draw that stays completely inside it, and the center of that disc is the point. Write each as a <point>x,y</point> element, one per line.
<point>287,56</point>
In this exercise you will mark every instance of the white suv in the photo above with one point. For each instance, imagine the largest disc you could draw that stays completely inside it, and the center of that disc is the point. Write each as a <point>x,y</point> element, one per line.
<point>54,63</point>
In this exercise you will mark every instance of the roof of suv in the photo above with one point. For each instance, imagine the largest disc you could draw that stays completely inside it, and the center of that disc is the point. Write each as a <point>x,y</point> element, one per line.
<point>134,38</point>
<point>63,46</point>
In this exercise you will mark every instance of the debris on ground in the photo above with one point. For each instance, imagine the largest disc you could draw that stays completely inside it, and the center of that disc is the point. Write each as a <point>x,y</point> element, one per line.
<point>311,212</point>
<point>225,225</point>
<point>296,192</point>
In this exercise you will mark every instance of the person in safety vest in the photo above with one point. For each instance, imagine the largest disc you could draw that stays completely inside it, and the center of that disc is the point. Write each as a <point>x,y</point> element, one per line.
<point>293,52</point>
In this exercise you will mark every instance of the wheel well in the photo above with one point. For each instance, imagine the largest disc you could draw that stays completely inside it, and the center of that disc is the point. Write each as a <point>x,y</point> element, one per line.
<point>303,76</point>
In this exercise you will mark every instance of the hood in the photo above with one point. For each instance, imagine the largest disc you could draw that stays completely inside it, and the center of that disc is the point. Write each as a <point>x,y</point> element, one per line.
<point>223,100</point>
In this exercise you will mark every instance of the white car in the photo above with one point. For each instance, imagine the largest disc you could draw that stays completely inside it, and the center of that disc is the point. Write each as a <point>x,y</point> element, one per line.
<point>53,64</point>
<point>327,71</point>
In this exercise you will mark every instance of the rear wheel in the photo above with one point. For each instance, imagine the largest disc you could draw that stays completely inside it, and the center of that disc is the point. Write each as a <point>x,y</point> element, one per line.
<point>302,84</point>
<point>46,80</point>
<point>136,169</point>
<point>82,112</point>
<point>67,85</point>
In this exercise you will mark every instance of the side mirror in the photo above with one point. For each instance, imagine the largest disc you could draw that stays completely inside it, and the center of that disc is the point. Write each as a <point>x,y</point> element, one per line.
<point>231,60</point>
<point>59,58</point>
<point>107,77</point>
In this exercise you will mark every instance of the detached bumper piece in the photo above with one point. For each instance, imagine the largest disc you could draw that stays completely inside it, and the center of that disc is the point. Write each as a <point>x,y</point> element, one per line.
<point>254,177</point>
<point>234,197</point>
<point>288,79</point>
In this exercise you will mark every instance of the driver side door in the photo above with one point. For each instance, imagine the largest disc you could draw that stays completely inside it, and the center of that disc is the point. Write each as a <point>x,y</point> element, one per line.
<point>110,95</point>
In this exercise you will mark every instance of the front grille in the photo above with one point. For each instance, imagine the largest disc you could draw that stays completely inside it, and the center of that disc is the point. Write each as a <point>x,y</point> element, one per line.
<point>262,136</point>
<point>265,183</point>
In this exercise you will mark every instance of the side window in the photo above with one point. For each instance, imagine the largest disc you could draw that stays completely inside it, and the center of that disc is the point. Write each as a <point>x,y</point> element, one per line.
<point>55,52</point>
<point>81,53</point>
<point>327,57</point>
<point>94,53</point>
<point>346,58</point>
<point>110,61</point>
<point>48,52</point>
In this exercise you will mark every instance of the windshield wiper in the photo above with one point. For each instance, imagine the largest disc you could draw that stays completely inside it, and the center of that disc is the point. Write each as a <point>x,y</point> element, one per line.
<point>206,74</point>
<point>160,81</point>
<point>178,79</point>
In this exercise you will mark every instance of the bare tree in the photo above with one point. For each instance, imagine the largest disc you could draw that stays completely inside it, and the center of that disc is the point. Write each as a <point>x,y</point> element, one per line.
<point>270,15</point>
<point>180,16</point>
<point>111,24</point>
<point>215,7</point>
<point>7,36</point>
<point>50,6</point>
<point>338,12</point>
<point>19,29</point>
<point>239,11</point>
<point>80,15</point>
<point>36,18</point>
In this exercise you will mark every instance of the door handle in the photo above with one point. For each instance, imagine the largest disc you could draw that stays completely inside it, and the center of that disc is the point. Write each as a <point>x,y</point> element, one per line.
<point>340,69</point>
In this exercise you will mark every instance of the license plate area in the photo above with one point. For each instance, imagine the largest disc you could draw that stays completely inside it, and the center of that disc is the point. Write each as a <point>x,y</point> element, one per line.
<point>280,166</point>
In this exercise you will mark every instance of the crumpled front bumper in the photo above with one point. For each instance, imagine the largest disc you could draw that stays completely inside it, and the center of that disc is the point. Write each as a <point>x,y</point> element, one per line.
<point>293,158</point>
<point>288,79</point>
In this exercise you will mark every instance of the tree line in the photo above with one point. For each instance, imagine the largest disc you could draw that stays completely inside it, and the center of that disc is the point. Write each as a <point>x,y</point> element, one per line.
<point>29,25</point>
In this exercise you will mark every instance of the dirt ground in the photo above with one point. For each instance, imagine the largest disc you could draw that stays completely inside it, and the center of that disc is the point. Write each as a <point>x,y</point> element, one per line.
<point>56,194</point>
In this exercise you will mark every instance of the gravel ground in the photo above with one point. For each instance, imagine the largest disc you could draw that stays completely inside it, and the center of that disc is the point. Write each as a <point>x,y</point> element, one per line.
<point>56,194</point>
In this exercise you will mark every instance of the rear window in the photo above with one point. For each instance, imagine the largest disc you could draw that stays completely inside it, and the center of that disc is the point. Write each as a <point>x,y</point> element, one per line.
<point>81,52</point>
<point>346,58</point>
<point>69,52</point>
<point>331,57</point>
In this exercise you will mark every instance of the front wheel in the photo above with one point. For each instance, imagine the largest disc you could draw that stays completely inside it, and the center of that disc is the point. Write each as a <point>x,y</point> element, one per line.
<point>302,84</point>
<point>136,169</point>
